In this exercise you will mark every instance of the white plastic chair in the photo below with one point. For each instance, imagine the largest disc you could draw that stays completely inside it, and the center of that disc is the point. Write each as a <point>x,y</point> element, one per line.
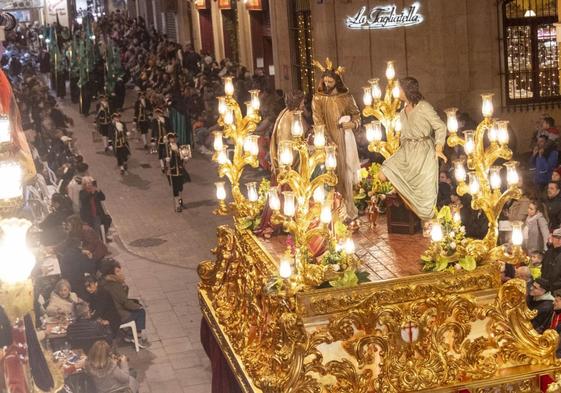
<point>132,325</point>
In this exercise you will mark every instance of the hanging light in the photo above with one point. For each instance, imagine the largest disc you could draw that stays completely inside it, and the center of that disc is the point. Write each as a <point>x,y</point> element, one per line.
<point>390,70</point>
<point>255,102</point>
<point>512,177</point>
<point>452,120</point>
<point>252,194</point>
<point>16,259</point>
<point>517,236</point>
<point>376,92</point>
<point>285,267</point>
<point>469,142</point>
<point>286,155</point>
<point>487,105</point>
<point>228,86</point>
<point>222,105</point>
<point>220,191</point>
<point>319,194</point>
<point>459,171</point>
<point>319,136</point>
<point>325,215</point>
<point>274,201</point>
<point>218,143</point>
<point>297,127</point>
<point>502,134</point>
<point>367,96</point>
<point>251,145</point>
<point>495,177</point>
<point>473,183</point>
<point>289,206</point>
<point>330,158</point>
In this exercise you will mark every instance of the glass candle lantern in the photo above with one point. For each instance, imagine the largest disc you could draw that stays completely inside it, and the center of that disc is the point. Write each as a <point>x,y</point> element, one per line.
<point>473,183</point>
<point>319,194</point>
<point>5,134</point>
<point>12,176</point>
<point>250,110</point>
<point>452,120</point>
<point>222,105</point>
<point>495,177</point>
<point>289,207</point>
<point>349,246</point>
<point>512,177</point>
<point>374,131</point>
<point>286,155</point>
<point>390,70</point>
<point>367,96</point>
<point>297,127</point>
<point>229,117</point>
<point>517,236</point>
<point>251,144</point>
<point>16,259</point>
<point>228,86</point>
<point>375,88</point>
<point>459,171</point>
<point>330,158</point>
<point>218,143</point>
<point>220,191</point>
<point>252,194</point>
<point>487,105</point>
<point>396,90</point>
<point>469,142</point>
<point>397,124</point>
<point>502,133</point>
<point>223,156</point>
<point>285,267</point>
<point>255,101</point>
<point>274,200</point>
<point>493,132</point>
<point>319,136</point>
<point>325,215</point>
<point>436,232</point>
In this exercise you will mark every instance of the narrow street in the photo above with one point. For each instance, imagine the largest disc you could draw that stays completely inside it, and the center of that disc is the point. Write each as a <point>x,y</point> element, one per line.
<point>160,250</point>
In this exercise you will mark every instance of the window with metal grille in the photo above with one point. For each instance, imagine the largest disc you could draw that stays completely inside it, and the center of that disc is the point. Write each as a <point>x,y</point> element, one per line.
<point>300,27</point>
<point>531,64</point>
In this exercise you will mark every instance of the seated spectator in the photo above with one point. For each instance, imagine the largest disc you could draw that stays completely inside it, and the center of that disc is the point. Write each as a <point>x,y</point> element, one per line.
<point>544,160</point>
<point>552,204</point>
<point>101,304</point>
<point>536,231</point>
<point>109,374</point>
<point>62,300</point>
<point>535,267</point>
<point>551,263</point>
<point>61,208</point>
<point>128,309</point>
<point>75,186</point>
<point>85,331</point>
<point>74,264</point>
<point>91,209</point>
<point>541,301</point>
<point>555,322</point>
<point>90,239</point>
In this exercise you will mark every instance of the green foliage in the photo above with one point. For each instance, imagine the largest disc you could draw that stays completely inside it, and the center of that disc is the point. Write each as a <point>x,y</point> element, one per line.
<point>348,279</point>
<point>369,185</point>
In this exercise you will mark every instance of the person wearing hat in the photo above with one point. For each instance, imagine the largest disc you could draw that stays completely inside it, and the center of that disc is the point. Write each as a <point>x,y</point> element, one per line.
<point>121,143</point>
<point>103,121</point>
<point>551,263</point>
<point>174,170</point>
<point>143,116</point>
<point>541,300</point>
<point>160,128</point>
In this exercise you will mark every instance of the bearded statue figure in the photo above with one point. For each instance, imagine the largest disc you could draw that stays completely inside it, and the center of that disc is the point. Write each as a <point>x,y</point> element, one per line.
<point>335,108</point>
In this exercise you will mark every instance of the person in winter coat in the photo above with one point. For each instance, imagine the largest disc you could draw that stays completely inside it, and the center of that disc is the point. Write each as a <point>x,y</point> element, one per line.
<point>107,372</point>
<point>536,231</point>
<point>551,263</point>
<point>62,300</point>
<point>90,239</point>
<point>101,304</point>
<point>544,160</point>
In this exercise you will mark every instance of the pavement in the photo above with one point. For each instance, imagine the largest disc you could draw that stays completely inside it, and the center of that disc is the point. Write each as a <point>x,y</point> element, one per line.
<point>160,250</point>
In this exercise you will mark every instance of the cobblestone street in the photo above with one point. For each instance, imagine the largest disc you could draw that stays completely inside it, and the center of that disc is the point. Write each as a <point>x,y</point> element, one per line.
<point>160,250</point>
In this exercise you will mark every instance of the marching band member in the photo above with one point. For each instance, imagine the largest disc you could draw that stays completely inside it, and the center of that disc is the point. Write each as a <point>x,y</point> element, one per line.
<point>161,126</point>
<point>143,116</point>
<point>175,170</point>
<point>120,141</point>
<point>103,121</point>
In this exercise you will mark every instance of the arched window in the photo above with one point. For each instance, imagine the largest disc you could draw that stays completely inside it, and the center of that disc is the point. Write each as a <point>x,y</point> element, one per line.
<point>531,63</point>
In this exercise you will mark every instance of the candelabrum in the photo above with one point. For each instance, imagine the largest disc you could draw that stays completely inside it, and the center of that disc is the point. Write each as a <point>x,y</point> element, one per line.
<point>239,129</point>
<point>307,205</point>
<point>385,110</point>
<point>483,179</point>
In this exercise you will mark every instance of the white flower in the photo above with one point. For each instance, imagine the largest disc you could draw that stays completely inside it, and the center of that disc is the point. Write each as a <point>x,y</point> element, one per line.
<point>463,229</point>
<point>457,266</point>
<point>452,233</point>
<point>453,245</point>
<point>336,267</point>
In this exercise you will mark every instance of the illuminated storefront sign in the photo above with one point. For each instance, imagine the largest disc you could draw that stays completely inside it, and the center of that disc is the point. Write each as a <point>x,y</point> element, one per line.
<point>385,17</point>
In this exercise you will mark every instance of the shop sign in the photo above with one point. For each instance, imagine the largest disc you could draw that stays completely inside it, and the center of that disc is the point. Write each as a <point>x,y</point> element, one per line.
<point>385,17</point>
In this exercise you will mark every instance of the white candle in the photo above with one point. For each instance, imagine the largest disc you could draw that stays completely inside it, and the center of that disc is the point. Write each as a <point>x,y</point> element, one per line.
<point>319,194</point>
<point>495,178</point>
<point>487,105</point>
<point>390,70</point>
<point>220,191</point>
<point>252,194</point>
<point>274,201</point>
<point>452,120</point>
<point>375,88</point>
<point>349,246</point>
<point>218,142</point>
<point>330,158</point>
<point>367,96</point>
<point>228,86</point>
<point>517,237</point>
<point>319,136</point>
<point>289,204</point>
<point>285,153</point>
<point>436,232</point>
<point>285,268</point>
<point>325,215</point>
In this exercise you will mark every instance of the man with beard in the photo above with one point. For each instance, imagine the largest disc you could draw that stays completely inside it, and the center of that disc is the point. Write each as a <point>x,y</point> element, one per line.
<point>335,108</point>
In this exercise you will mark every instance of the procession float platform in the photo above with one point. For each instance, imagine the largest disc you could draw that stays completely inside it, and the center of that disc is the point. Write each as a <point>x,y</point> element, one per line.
<point>403,331</point>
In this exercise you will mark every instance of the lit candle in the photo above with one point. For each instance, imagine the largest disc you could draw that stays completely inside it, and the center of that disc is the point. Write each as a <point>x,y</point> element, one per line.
<point>251,145</point>
<point>229,117</point>
<point>222,105</point>
<point>12,175</point>
<point>495,177</point>
<point>228,86</point>
<point>459,171</point>
<point>252,194</point>
<point>223,157</point>
<point>220,191</point>
<point>319,194</point>
<point>473,183</point>
<point>289,208</point>
<point>375,90</point>
<point>349,246</point>
<point>330,158</point>
<point>274,201</point>
<point>250,111</point>
<point>319,136</point>
<point>487,105</point>
<point>285,268</point>
<point>285,153</point>
<point>297,128</point>
<point>397,124</point>
<point>325,215</point>
<point>502,134</point>
<point>469,144</point>
<point>5,135</point>
<point>367,96</point>
<point>493,132</point>
<point>376,131</point>
<point>390,70</point>
<point>512,177</point>
<point>452,120</point>
<point>255,102</point>
<point>517,237</point>
<point>436,232</point>
<point>218,142</point>
<point>17,259</point>
<point>396,90</point>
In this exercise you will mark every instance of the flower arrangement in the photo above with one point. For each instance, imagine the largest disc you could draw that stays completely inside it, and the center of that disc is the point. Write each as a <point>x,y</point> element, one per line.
<point>448,253</point>
<point>370,186</point>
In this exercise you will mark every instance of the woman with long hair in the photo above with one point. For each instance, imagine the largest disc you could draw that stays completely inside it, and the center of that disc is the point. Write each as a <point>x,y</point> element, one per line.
<point>413,169</point>
<point>109,373</point>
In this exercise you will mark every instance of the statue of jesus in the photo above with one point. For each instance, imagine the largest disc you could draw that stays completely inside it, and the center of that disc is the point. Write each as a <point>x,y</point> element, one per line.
<point>335,108</point>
